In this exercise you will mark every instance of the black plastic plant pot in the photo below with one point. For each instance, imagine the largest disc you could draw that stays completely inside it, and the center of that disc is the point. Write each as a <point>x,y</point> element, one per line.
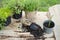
<point>36,30</point>
<point>8,21</point>
<point>48,26</point>
<point>17,16</point>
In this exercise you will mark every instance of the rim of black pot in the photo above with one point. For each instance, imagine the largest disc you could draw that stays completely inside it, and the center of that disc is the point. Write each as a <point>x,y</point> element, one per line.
<point>37,26</point>
<point>46,24</point>
<point>17,16</point>
<point>8,21</point>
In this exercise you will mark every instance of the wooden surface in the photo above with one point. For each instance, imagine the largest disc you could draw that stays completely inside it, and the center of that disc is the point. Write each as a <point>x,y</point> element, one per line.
<point>12,32</point>
<point>9,35</point>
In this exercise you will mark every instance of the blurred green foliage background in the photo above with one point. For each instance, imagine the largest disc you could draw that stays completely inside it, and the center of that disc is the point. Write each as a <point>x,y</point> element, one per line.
<point>44,4</point>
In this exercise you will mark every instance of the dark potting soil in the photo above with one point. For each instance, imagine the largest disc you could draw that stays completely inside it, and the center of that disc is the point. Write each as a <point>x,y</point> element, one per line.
<point>46,24</point>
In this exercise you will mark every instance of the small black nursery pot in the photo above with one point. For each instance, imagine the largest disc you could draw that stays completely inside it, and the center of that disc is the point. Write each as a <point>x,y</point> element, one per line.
<point>17,16</point>
<point>8,21</point>
<point>36,30</point>
<point>48,26</point>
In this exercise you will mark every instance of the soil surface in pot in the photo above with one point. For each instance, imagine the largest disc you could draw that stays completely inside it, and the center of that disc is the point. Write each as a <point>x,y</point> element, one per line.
<point>17,16</point>
<point>49,24</point>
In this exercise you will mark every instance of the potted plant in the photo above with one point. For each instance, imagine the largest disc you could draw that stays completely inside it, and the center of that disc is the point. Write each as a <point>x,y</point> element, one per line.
<point>13,4</point>
<point>17,12</point>
<point>18,8</point>
<point>48,24</point>
<point>31,7</point>
<point>5,15</point>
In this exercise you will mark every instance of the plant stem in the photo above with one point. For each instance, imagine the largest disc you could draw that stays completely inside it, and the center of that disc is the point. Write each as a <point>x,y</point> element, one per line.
<point>49,24</point>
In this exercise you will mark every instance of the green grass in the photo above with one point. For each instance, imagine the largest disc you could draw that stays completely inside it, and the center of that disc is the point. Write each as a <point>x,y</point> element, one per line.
<point>44,4</point>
